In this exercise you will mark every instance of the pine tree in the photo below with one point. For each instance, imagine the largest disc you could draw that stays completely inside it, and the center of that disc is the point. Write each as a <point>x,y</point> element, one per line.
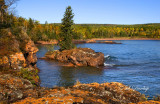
<point>30,24</point>
<point>65,39</point>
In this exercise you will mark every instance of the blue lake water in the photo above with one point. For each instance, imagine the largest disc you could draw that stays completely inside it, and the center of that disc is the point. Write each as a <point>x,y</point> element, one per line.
<point>135,63</point>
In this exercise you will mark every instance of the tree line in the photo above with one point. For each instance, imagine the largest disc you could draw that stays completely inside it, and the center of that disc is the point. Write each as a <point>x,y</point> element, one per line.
<point>38,31</point>
<point>47,31</point>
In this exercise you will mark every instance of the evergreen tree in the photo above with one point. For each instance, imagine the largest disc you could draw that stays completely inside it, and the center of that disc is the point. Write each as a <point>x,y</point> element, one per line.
<point>65,39</point>
<point>30,24</point>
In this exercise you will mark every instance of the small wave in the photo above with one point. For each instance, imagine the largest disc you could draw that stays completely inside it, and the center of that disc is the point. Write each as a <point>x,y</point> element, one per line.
<point>105,64</point>
<point>107,56</point>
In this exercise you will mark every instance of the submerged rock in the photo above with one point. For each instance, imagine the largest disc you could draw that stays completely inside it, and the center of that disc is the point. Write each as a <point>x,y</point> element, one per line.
<point>78,57</point>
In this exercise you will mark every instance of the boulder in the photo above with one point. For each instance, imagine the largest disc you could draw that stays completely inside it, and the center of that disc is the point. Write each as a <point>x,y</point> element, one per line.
<point>78,57</point>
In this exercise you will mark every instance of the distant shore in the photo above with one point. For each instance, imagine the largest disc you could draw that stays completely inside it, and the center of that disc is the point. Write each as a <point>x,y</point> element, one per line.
<point>95,39</point>
<point>125,38</point>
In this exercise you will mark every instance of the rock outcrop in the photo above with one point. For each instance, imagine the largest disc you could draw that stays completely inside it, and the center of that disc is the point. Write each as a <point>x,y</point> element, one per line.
<point>94,93</point>
<point>16,51</point>
<point>78,57</point>
<point>12,88</point>
<point>10,54</point>
<point>47,42</point>
<point>108,42</point>
<point>18,71</point>
<point>28,47</point>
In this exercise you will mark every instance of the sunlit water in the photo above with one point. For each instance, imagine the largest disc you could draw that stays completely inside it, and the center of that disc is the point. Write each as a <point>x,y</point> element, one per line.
<point>133,63</point>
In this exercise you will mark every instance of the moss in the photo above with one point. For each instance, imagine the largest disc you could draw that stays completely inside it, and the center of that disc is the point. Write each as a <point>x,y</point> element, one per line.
<point>157,98</point>
<point>144,98</point>
<point>30,75</point>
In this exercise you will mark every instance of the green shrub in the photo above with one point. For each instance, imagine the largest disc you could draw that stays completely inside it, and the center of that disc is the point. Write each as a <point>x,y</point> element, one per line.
<point>30,75</point>
<point>157,98</point>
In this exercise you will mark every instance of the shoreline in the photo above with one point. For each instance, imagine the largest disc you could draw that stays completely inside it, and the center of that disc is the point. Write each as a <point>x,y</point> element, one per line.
<point>125,38</point>
<point>93,40</point>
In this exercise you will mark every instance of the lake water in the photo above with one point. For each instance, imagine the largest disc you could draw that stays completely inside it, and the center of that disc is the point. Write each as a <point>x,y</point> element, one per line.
<point>135,63</point>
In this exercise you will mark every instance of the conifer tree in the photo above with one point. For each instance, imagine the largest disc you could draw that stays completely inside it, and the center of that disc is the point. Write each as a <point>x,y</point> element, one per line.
<point>65,39</point>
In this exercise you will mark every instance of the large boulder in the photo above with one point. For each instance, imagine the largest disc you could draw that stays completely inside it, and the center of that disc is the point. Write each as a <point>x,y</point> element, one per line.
<point>78,57</point>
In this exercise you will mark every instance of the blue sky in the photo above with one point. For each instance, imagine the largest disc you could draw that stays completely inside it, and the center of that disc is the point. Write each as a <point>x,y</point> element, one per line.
<point>92,11</point>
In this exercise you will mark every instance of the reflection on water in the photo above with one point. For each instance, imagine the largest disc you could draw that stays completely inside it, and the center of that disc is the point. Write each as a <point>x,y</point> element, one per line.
<point>66,75</point>
<point>134,63</point>
<point>53,75</point>
<point>70,75</point>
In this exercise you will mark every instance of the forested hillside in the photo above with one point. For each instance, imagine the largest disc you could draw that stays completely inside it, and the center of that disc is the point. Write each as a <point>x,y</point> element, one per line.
<point>38,31</point>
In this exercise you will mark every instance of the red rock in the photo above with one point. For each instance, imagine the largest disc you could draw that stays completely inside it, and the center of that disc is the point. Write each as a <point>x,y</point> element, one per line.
<point>30,53</point>
<point>78,57</point>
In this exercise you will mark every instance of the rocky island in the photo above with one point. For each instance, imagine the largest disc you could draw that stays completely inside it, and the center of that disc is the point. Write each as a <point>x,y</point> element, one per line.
<point>78,57</point>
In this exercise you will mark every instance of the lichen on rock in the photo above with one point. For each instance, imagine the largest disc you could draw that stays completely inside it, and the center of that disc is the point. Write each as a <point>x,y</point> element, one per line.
<point>18,71</point>
<point>17,51</point>
<point>78,57</point>
<point>94,93</point>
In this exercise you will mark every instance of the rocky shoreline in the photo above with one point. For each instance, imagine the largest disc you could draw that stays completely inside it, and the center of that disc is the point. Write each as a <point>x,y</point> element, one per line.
<point>94,93</point>
<point>19,80</point>
<point>18,71</point>
<point>78,42</point>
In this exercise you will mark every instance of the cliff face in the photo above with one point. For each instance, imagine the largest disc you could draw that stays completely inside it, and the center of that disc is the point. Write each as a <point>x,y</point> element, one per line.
<point>10,54</point>
<point>18,71</point>
<point>17,52</point>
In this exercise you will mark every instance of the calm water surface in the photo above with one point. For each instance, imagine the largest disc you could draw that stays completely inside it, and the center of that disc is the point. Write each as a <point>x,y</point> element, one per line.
<point>135,63</point>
